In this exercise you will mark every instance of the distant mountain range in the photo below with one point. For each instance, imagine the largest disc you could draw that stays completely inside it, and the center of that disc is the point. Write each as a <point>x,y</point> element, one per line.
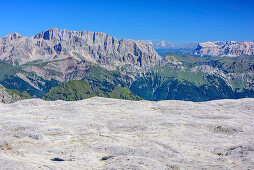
<point>44,63</point>
<point>216,48</point>
<point>229,48</point>
<point>164,47</point>
<point>168,45</point>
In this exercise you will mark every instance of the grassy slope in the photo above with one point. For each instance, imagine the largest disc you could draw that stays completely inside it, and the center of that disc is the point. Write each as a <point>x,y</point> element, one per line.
<point>123,93</point>
<point>105,79</point>
<point>78,90</point>
<point>159,86</point>
<point>23,95</point>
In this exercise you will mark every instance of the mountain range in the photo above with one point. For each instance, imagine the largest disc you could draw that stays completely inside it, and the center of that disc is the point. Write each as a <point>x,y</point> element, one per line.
<point>44,63</point>
<point>167,45</point>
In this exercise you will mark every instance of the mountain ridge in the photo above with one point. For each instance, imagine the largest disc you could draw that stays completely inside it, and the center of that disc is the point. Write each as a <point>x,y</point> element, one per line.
<point>96,47</point>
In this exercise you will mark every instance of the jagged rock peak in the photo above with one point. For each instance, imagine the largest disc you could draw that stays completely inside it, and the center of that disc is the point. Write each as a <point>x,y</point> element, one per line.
<point>13,36</point>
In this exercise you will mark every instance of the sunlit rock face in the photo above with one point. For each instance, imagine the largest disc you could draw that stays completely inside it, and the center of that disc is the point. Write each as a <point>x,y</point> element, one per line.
<point>230,48</point>
<point>100,133</point>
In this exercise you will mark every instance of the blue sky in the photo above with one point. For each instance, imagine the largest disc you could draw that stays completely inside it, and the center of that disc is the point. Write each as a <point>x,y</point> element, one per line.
<point>174,21</point>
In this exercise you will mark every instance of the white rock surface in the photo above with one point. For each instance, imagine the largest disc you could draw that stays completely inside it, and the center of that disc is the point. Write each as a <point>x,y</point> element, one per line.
<point>133,135</point>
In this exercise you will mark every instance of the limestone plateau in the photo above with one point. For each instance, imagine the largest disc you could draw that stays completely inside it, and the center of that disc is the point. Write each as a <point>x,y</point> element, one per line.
<point>100,133</point>
<point>229,48</point>
<point>96,47</point>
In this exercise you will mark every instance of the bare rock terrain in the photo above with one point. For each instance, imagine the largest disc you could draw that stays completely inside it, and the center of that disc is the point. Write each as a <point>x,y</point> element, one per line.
<point>100,133</point>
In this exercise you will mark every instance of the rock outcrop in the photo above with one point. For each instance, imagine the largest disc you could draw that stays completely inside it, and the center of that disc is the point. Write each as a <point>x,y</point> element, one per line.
<point>6,97</point>
<point>100,133</point>
<point>95,47</point>
<point>230,48</point>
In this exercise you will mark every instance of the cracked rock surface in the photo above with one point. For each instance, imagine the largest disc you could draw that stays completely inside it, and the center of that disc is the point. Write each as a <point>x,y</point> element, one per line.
<point>101,133</point>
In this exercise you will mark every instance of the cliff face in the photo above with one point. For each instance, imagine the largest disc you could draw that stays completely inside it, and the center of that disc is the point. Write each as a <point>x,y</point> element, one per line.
<point>230,48</point>
<point>95,47</point>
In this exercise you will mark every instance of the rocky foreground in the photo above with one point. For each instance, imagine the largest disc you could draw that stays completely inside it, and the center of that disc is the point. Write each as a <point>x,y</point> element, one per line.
<point>105,133</point>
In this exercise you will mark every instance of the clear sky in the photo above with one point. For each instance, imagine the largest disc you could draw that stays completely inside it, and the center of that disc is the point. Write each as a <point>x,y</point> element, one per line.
<point>179,21</point>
